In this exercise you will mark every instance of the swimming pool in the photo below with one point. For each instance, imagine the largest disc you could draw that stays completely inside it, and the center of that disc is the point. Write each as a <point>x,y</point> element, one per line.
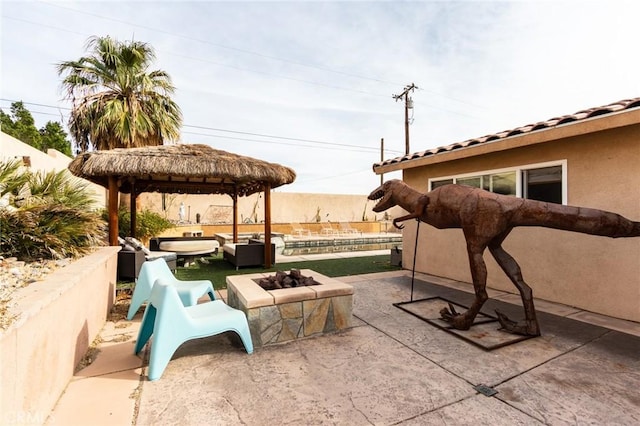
<point>294,251</point>
<point>319,245</point>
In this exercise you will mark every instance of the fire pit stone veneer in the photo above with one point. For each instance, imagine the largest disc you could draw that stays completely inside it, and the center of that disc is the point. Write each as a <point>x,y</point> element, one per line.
<point>286,314</point>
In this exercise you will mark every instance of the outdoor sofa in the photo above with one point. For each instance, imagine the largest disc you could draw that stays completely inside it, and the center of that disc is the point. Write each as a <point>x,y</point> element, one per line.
<point>246,254</point>
<point>133,254</point>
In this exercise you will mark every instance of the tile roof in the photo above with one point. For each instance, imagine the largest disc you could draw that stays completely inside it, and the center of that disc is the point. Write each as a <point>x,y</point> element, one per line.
<point>556,121</point>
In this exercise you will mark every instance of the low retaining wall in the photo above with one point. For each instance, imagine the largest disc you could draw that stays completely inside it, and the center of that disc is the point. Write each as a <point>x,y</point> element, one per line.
<point>58,319</point>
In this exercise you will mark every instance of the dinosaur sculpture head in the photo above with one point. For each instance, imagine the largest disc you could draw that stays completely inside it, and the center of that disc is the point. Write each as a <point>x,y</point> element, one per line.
<point>384,194</point>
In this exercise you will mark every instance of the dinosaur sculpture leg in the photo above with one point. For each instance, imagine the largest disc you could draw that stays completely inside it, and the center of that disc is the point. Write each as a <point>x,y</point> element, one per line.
<point>479,275</point>
<point>528,327</point>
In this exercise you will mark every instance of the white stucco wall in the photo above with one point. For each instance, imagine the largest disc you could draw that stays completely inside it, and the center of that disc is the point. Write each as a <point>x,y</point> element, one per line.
<point>286,207</point>
<point>11,148</point>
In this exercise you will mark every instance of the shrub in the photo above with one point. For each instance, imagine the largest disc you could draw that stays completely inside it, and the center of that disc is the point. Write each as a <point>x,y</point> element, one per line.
<point>148,223</point>
<point>46,215</point>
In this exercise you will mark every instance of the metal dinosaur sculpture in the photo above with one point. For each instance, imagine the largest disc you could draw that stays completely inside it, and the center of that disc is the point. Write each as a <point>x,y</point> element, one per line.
<point>486,219</point>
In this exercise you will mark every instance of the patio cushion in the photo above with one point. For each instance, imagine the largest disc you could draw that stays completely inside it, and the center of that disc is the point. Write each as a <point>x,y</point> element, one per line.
<point>137,245</point>
<point>190,247</point>
<point>126,246</point>
<point>166,255</point>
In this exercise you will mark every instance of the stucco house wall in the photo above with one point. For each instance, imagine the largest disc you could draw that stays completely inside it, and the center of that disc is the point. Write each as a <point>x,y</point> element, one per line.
<point>594,273</point>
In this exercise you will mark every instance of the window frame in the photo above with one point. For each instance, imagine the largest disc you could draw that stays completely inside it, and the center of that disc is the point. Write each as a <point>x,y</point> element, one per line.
<point>518,170</point>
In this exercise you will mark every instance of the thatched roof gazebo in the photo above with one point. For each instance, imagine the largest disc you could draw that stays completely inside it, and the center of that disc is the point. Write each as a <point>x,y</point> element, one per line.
<point>183,169</point>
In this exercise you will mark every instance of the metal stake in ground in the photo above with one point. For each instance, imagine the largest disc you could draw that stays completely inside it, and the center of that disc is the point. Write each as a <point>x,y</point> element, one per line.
<point>415,252</point>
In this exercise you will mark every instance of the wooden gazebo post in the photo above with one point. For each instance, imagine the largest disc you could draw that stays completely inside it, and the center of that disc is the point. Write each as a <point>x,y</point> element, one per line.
<point>268,262</point>
<point>234,196</point>
<point>134,210</point>
<point>113,211</point>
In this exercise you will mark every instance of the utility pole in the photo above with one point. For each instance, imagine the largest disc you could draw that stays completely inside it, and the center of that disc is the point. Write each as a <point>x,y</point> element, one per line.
<point>408,104</point>
<point>381,159</point>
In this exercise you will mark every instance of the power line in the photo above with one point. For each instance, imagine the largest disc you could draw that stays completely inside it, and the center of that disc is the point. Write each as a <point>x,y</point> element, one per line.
<point>342,147</point>
<point>350,147</point>
<point>299,80</point>
<point>235,49</point>
<point>335,176</point>
<point>33,103</point>
<point>281,137</point>
<point>255,54</point>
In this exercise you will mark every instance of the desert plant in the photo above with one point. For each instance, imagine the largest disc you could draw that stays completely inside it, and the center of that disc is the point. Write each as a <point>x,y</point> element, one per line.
<point>46,215</point>
<point>49,230</point>
<point>364,212</point>
<point>148,223</point>
<point>11,181</point>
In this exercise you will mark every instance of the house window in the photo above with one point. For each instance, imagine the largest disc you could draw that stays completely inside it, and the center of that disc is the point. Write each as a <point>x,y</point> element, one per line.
<point>544,182</point>
<point>437,183</point>
<point>500,183</point>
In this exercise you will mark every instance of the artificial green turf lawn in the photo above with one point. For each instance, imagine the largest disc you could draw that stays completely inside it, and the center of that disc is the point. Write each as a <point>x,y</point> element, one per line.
<point>217,269</point>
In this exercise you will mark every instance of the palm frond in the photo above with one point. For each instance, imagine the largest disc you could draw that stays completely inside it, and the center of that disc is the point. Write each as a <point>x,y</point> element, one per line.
<point>11,180</point>
<point>118,102</point>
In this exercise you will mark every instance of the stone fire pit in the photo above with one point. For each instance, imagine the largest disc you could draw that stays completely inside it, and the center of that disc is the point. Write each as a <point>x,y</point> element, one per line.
<point>286,314</point>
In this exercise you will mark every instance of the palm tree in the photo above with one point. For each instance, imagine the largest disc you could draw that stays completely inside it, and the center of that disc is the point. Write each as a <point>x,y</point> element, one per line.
<point>117,102</point>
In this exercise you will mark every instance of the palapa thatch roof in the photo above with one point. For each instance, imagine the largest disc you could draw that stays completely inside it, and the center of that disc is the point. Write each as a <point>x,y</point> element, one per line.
<point>182,168</point>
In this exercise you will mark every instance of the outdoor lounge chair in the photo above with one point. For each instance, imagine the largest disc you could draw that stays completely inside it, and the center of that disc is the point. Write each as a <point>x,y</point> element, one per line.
<point>172,324</point>
<point>328,229</point>
<point>151,270</point>
<point>346,229</point>
<point>299,231</point>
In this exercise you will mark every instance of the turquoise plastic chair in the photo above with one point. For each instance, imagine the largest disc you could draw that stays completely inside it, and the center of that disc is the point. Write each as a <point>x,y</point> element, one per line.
<point>151,270</point>
<point>171,324</point>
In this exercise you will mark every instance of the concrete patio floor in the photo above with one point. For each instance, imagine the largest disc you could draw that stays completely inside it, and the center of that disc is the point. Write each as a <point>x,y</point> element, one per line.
<point>389,368</point>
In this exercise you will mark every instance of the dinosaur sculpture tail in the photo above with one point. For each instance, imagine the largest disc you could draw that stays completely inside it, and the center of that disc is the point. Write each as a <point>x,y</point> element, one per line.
<point>577,219</point>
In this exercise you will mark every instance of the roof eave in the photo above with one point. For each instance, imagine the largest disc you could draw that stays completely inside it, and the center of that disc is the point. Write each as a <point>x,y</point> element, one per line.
<point>562,131</point>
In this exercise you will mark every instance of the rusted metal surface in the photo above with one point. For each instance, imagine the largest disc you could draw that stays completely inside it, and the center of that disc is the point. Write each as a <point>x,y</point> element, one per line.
<point>482,332</point>
<point>486,219</point>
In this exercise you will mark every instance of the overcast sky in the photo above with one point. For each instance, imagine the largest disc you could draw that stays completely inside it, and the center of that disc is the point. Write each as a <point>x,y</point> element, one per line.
<point>309,84</point>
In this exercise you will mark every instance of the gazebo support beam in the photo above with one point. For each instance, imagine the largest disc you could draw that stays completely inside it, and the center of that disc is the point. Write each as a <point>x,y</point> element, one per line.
<point>134,209</point>
<point>113,210</point>
<point>234,196</point>
<point>268,261</point>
